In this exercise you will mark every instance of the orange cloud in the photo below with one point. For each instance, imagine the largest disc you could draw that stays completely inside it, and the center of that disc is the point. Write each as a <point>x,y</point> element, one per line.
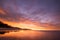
<point>30,25</point>
<point>2,11</point>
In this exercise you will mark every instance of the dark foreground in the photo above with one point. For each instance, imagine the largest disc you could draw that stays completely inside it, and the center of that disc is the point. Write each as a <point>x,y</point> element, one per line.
<point>30,35</point>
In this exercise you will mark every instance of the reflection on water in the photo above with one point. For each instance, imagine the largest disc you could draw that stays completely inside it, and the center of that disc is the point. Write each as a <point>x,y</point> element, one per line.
<point>7,31</point>
<point>31,35</point>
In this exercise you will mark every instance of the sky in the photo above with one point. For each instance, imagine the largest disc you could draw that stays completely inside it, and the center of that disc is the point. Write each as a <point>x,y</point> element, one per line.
<point>17,12</point>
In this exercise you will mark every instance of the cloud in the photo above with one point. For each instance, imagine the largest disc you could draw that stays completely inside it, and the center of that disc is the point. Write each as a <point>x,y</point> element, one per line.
<point>47,12</point>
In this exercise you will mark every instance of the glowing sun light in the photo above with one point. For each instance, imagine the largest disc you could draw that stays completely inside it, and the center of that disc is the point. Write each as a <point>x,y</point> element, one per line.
<point>29,26</point>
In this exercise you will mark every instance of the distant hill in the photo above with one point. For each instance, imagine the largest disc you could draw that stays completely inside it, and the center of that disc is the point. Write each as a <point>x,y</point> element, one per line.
<point>3,25</point>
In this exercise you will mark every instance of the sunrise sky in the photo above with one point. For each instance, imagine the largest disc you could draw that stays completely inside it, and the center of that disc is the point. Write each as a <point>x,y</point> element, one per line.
<point>31,14</point>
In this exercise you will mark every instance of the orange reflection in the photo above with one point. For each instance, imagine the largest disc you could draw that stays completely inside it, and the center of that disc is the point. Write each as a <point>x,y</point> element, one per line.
<point>24,33</point>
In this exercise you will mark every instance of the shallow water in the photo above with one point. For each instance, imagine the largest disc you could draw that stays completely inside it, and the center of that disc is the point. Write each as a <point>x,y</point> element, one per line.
<point>30,35</point>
